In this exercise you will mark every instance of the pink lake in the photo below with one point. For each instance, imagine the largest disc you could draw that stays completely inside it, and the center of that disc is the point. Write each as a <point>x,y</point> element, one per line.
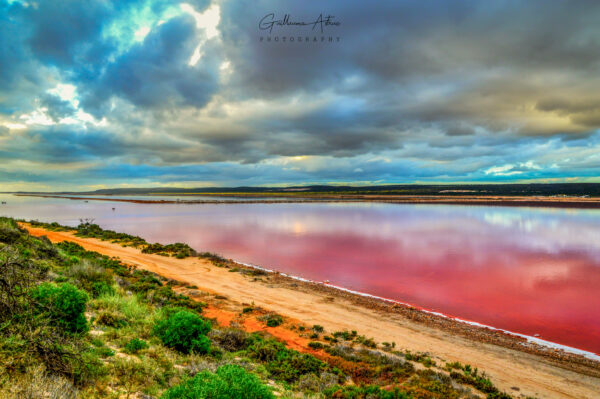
<point>526,270</point>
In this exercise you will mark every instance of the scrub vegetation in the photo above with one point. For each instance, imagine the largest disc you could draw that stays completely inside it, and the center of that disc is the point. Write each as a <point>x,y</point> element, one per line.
<point>78,324</point>
<point>87,229</point>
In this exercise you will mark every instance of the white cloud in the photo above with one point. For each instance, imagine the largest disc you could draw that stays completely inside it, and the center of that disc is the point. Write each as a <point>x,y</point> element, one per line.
<point>141,33</point>
<point>66,92</point>
<point>207,20</point>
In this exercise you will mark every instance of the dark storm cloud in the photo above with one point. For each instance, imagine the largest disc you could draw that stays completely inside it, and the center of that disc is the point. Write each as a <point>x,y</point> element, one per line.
<point>20,72</point>
<point>155,73</point>
<point>57,108</point>
<point>413,90</point>
<point>395,40</point>
<point>490,61</point>
<point>67,31</point>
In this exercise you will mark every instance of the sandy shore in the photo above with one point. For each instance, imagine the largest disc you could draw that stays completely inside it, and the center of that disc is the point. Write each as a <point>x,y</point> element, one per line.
<point>507,361</point>
<point>531,201</point>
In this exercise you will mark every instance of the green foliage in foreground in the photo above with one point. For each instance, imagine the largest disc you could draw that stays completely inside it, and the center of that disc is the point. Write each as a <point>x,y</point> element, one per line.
<point>63,304</point>
<point>229,382</point>
<point>41,323</point>
<point>185,332</point>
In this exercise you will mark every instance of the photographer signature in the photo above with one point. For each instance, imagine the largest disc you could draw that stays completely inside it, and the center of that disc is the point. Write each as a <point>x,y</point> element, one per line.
<point>269,21</point>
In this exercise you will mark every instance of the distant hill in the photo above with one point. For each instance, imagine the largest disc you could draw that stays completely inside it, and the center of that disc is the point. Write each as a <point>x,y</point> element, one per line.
<point>569,189</point>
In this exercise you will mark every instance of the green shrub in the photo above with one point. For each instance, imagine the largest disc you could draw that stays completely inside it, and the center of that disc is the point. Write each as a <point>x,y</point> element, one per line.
<point>472,377</point>
<point>283,363</point>
<point>315,345</point>
<point>135,345</point>
<point>368,342</point>
<point>179,250</point>
<point>111,319</point>
<point>90,276</point>
<point>290,365</point>
<point>88,368</point>
<point>9,234</point>
<point>272,320</point>
<point>64,304</point>
<point>229,382</point>
<point>104,351</point>
<point>184,331</point>
<point>231,339</point>
<point>100,288</point>
<point>345,335</point>
<point>318,328</point>
<point>366,391</point>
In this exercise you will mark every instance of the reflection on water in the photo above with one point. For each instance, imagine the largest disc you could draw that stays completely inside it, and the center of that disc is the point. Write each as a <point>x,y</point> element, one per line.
<point>532,271</point>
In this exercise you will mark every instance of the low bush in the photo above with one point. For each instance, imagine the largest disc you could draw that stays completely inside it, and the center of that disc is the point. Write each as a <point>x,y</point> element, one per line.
<point>314,383</point>
<point>345,335</point>
<point>64,304</point>
<point>472,377</point>
<point>272,320</point>
<point>364,392</point>
<point>283,363</point>
<point>330,339</point>
<point>111,319</point>
<point>9,235</point>
<point>100,288</point>
<point>230,339</point>
<point>179,250</point>
<point>217,260</point>
<point>93,230</point>
<point>228,382</point>
<point>315,345</point>
<point>38,383</point>
<point>135,345</point>
<point>388,346</point>
<point>184,331</point>
<point>104,351</point>
<point>368,342</point>
<point>91,277</point>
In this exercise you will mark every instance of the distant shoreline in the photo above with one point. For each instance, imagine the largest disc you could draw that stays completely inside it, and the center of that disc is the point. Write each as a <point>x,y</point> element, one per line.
<point>537,201</point>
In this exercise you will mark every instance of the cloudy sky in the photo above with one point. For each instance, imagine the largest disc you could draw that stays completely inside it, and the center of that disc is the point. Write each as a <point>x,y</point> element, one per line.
<point>155,92</point>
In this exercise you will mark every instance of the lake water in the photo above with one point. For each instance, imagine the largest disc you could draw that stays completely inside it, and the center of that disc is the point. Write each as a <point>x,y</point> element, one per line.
<point>526,270</point>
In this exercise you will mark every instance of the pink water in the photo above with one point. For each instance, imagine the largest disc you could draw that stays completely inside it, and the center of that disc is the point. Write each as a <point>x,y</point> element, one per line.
<point>531,271</point>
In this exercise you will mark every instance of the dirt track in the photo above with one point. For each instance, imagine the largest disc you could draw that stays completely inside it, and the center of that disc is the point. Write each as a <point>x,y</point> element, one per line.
<point>507,368</point>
